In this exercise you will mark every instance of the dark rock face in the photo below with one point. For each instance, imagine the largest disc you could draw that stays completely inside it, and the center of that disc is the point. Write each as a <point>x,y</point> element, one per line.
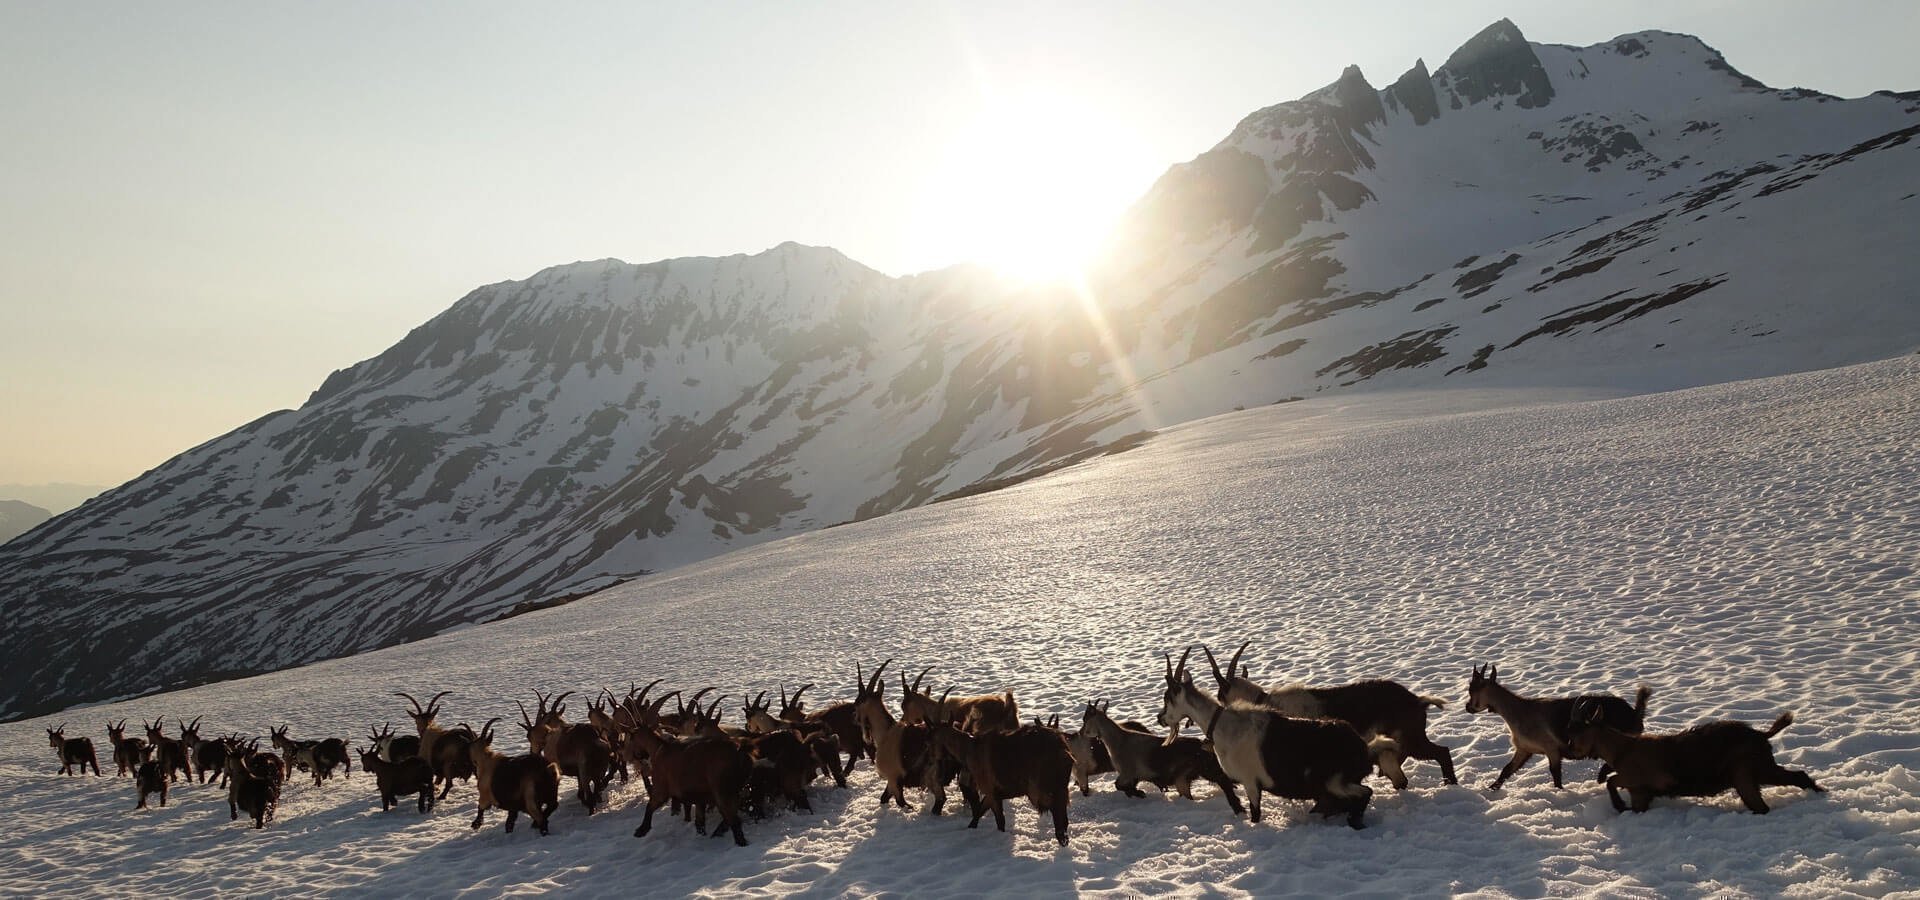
<point>1497,62</point>
<point>1413,92</point>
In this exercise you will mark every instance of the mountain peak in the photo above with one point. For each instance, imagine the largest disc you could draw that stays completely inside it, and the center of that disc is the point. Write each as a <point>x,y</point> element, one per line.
<point>1497,62</point>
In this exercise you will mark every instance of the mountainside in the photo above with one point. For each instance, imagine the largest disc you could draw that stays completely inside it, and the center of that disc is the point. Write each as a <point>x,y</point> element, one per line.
<point>1742,549</point>
<point>1629,216</point>
<point>17,517</point>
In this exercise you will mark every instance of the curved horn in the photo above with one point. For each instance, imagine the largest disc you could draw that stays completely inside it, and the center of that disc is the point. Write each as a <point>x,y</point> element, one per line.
<point>1181,669</point>
<point>802,689</point>
<point>555,707</point>
<point>433,705</point>
<point>416,704</point>
<point>524,719</point>
<point>921,677</point>
<point>642,697</point>
<point>1215,666</point>
<point>1235,661</point>
<point>876,687</point>
<point>486,731</point>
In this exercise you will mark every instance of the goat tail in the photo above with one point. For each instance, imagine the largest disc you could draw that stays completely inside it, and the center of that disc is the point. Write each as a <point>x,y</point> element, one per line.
<point>1786,718</point>
<point>1640,698</point>
<point>1434,702</point>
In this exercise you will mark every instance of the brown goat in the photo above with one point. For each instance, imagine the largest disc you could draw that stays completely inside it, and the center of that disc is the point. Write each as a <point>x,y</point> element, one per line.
<point>1031,761</point>
<point>1699,762</point>
<point>444,749</point>
<point>838,718</point>
<point>985,712</point>
<point>518,784</point>
<point>128,753</point>
<point>253,785</point>
<point>1139,755</point>
<point>1375,707</point>
<point>147,780</point>
<point>317,757</point>
<point>408,777</point>
<point>209,757</point>
<point>170,753</point>
<point>1541,725</point>
<point>76,751</point>
<point>819,740</point>
<point>1323,760</point>
<point>578,749</point>
<point>696,772</point>
<point>903,754</point>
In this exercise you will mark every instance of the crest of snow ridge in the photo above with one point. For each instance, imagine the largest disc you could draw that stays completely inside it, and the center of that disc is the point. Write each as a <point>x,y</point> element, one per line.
<point>1295,163</point>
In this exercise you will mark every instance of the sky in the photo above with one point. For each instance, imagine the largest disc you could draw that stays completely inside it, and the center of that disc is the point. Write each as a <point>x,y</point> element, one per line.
<point>205,208</point>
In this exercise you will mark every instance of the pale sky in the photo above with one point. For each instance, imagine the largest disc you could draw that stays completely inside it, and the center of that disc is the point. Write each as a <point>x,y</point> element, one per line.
<point>207,207</point>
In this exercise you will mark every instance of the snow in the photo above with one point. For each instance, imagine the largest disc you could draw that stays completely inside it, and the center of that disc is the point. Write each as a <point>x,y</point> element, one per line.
<point>1743,548</point>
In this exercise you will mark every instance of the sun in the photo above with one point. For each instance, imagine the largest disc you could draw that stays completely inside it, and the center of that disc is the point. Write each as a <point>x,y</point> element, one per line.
<point>1029,187</point>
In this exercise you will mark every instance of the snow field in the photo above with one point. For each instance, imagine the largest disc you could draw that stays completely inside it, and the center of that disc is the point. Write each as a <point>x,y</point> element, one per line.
<point>1743,549</point>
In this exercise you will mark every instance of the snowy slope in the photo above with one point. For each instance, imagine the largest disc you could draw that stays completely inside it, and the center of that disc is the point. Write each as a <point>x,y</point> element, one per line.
<point>1630,216</point>
<point>1743,548</point>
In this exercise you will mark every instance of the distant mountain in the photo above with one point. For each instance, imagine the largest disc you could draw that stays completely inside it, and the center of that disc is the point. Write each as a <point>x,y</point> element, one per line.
<point>18,518</point>
<point>57,497</point>
<point>1633,215</point>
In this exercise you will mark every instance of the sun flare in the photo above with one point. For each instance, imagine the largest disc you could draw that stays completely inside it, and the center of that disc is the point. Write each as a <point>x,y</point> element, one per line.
<point>1029,187</point>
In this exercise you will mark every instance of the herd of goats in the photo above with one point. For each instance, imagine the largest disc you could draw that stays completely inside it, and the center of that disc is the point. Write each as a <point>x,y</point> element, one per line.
<point>1297,742</point>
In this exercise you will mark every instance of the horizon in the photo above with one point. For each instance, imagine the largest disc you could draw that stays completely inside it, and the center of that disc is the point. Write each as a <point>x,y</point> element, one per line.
<point>365,232</point>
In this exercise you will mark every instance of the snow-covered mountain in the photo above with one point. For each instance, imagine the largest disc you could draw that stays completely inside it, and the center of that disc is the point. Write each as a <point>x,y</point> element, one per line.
<point>1629,216</point>
<point>1743,549</point>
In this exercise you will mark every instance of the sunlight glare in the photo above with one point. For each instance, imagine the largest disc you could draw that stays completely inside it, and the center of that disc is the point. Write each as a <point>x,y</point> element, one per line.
<point>1029,188</point>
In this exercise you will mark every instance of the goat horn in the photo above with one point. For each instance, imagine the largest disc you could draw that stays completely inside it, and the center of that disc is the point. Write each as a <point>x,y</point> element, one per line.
<point>486,731</point>
<point>802,690</point>
<point>1215,665</point>
<point>1168,658</point>
<point>433,705</point>
<point>1235,661</point>
<point>876,687</point>
<point>1181,669</point>
<point>642,698</point>
<point>416,704</point>
<point>524,719</point>
<point>922,677</point>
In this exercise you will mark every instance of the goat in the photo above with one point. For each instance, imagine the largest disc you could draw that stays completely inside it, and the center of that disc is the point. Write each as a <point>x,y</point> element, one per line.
<point>171,754</point>
<point>1322,760</point>
<point>128,753</point>
<point>1141,756</point>
<point>444,749</point>
<point>148,780</point>
<point>838,718</point>
<point>518,784</point>
<point>76,751</point>
<point>818,738</point>
<point>1540,725</point>
<point>1090,758</point>
<point>1699,762</point>
<point>408,777</point>
<point>697,772</point>
<point>903,753</point>
<point>1029,761</point>
<point>578,749</point>
<point>318,757</point>
<point>1374,707</point>
<point>253,785</point>
<point>394,748</point>
<point>210,757</point>
<point>985,712</point>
